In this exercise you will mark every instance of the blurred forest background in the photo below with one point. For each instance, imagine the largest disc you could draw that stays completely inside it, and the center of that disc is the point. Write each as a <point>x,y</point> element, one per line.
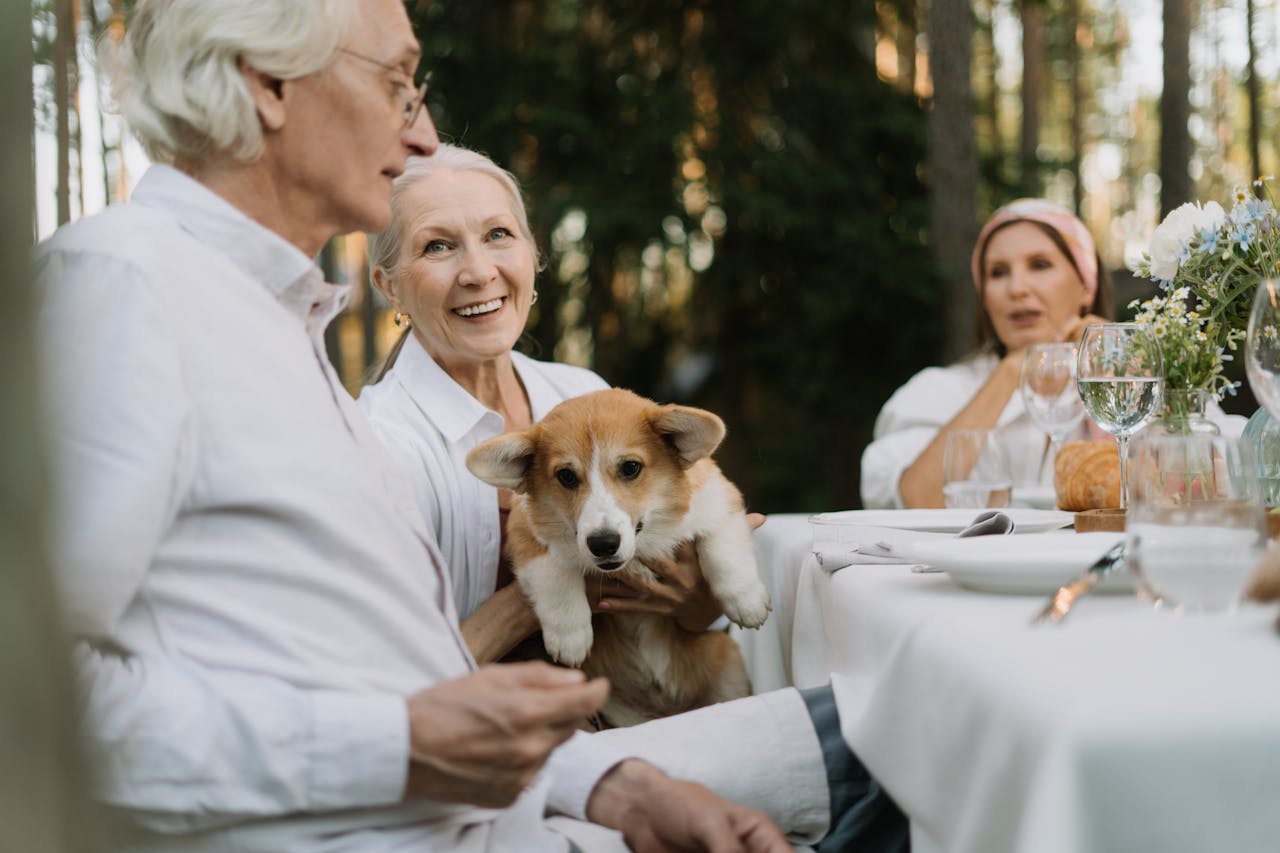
<point>767,208</point>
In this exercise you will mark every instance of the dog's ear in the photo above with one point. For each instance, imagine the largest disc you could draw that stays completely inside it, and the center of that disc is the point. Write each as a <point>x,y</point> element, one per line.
<point>694,433</point>
<point>503,461</point>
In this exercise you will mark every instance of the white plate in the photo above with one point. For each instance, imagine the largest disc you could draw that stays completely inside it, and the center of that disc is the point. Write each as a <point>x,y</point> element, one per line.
<point>1027,565</point>
<point>1025,520</point>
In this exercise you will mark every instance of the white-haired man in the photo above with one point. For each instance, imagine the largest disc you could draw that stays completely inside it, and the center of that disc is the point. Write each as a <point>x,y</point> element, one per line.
<point>266,642</point>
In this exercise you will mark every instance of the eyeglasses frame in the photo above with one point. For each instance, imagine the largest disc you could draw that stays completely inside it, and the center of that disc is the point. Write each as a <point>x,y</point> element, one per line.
<point>412,109</point>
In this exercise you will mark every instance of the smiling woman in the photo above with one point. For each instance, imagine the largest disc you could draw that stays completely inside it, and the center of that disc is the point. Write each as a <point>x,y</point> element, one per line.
<point>457,265</point>
<point>1039,279</point>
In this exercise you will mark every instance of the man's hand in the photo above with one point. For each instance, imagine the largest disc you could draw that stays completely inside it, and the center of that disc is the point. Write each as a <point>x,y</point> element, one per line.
<point>481,739</point>
<point>656,813</point>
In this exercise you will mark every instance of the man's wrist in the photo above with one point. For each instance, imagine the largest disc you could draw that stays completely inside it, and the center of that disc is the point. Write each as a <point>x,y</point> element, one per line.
<point>618,792</point>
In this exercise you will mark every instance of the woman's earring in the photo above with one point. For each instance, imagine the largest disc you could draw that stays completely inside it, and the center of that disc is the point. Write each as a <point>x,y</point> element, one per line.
<point>403,320</point>
<point>534,300</point>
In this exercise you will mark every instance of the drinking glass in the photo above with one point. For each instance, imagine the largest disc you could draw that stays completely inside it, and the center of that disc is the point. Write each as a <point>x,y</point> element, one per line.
<point>1119,374</point>
<point>975,470</point>
<point>1049,393</point>
<point>1262,347</point>
<point>1194,530</point>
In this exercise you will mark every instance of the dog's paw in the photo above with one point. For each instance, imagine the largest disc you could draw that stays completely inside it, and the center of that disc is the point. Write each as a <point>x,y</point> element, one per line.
<point>568,645</point>
<point>747,604</point>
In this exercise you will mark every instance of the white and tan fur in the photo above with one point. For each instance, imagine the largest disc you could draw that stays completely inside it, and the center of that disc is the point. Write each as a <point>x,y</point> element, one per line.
<point>604,482</point>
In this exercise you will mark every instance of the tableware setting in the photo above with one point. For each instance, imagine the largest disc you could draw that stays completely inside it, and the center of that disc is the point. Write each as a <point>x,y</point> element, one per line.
<point>835,526</point>
<point>1019,565</point>
<point>871,545</point>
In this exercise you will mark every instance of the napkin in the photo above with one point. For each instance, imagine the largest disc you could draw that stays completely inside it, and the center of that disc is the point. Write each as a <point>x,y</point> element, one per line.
<point>868,545</point>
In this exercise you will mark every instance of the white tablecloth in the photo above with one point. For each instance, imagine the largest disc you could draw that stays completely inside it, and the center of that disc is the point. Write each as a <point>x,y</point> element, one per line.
<point>782,543</point>
<point>1124,728</point>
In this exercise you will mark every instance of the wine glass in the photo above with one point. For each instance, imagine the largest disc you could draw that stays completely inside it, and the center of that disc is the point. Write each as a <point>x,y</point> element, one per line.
<point>1262,365</point>
<point>1049,390</point>
<point>1120,376</point>
<point>1262,347</point>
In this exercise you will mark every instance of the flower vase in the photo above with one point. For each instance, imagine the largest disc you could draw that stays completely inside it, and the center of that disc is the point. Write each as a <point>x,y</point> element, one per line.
<point>1184,472</point>
<point>1262,434</point>
<point>1183,413</point>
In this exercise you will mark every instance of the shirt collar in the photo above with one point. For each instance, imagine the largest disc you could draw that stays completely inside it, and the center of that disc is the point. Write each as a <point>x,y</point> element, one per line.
<point>288,274</point>
<point>449,406</point>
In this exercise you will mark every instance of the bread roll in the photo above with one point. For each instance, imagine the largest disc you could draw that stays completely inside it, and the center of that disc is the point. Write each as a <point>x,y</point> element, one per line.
<point>1086,475</point>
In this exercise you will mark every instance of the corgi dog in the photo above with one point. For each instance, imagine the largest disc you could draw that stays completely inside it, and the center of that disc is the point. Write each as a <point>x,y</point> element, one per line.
<point>604,482</point>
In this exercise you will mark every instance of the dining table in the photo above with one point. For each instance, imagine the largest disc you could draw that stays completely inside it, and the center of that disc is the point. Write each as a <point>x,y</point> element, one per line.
<point>1126,727</point>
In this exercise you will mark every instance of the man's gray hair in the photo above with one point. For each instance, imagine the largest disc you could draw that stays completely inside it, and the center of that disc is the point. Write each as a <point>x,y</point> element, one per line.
<point>384,247</point>
<point>177,79</point>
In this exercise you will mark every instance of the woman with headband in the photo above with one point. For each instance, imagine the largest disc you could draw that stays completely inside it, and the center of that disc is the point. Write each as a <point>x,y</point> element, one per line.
<point>1039,279</point>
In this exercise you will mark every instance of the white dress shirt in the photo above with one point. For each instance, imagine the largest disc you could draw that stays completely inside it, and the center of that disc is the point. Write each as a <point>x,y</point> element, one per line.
<point>253,591</point>
<point>429,423</point>
<point>916,411</point>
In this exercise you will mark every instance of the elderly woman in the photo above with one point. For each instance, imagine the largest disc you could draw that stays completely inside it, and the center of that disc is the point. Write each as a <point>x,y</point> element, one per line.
<point>1039,279</point>
<point>458,264</point>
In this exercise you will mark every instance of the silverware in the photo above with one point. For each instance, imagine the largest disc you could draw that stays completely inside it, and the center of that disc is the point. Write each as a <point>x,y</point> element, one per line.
<point>1061,602</point>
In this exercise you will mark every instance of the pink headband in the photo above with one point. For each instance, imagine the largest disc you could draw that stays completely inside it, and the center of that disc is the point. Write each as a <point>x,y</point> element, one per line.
<point>1069,227</point>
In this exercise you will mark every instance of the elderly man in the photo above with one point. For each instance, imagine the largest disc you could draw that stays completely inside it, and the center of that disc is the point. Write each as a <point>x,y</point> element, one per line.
<point>267,647</point>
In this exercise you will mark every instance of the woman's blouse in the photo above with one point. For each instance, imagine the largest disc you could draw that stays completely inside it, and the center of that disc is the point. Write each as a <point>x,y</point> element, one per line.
<point>429,423</point>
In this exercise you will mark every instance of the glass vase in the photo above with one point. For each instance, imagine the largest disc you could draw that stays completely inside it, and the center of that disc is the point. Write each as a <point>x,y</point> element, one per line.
<point>1178,467</point>
<point>1262,434</point>
<point>1183,413</point>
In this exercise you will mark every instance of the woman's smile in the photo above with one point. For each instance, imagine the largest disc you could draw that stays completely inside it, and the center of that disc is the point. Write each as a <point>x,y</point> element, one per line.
<point>480,309</point>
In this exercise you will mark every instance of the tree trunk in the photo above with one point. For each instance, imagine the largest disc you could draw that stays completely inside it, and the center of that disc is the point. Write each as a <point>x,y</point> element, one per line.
<point>905,42</point>
<point>1175,107</point>
<point>953,164</point>
<point>1073,24</point>
<point>1032,86</point>
<point>42,807</point>
<point>64,53</point>
<point>1251,89</point>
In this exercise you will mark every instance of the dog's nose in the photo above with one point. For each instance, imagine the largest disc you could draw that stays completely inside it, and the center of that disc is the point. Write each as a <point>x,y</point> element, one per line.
<point>604,542</point>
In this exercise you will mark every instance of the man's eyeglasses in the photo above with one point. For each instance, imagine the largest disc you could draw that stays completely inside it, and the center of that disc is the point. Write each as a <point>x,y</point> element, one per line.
<point>412,107</point>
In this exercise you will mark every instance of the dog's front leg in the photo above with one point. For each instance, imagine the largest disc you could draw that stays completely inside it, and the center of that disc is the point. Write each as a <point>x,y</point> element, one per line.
<point>727,558</point>
<point>559,597</point>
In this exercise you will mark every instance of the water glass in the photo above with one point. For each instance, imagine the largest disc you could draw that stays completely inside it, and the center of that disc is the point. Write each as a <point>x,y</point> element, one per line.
<point>975,470</point>
<point>1194,526</point>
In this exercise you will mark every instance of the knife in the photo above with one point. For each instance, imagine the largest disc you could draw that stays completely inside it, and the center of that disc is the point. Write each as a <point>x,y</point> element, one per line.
<point>1061,601</point>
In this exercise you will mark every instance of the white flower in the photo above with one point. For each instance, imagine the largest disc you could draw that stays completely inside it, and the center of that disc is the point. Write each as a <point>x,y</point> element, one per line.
<point>1177,230</point>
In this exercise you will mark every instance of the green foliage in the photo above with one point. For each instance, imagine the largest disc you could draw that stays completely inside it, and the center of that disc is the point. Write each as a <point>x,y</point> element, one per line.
<point>755,224</point>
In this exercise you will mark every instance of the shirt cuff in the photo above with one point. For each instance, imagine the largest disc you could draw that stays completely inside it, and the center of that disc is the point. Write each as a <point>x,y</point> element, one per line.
<point>358,750</point>
<point>575,768</point>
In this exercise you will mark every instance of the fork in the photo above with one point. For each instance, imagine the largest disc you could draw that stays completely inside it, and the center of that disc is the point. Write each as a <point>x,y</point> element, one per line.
<point>1061,602</point>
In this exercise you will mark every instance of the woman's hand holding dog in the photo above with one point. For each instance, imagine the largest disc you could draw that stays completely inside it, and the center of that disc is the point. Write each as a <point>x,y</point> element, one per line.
<point>482,738</point>
<point>680,589</point>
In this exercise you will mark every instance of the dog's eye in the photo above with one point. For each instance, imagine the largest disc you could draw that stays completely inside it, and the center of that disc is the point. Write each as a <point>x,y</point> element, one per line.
<point>567,478</point>
<point>629,469</point>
